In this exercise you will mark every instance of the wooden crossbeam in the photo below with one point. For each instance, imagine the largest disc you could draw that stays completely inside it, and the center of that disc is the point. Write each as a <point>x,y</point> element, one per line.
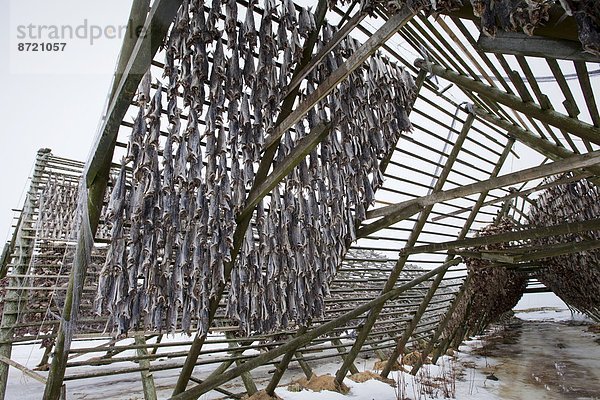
<point>576,127</point>
<point>527,137</point>
<point>396,212</point>
<point>525,234</point>
<point>520,44</point>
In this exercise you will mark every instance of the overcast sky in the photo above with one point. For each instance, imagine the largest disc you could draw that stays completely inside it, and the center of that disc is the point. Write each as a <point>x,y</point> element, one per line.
<point>52,99</point>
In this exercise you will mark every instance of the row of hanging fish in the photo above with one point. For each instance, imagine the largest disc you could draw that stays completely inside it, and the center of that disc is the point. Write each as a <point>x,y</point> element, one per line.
<point>575,277</point>
<point>194,161</point>
<point>56,205</point>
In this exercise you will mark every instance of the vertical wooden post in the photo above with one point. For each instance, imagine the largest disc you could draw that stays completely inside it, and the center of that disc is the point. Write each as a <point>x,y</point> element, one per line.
<point>147,378</point>
<point>395,274</point>
<point>13,298</point>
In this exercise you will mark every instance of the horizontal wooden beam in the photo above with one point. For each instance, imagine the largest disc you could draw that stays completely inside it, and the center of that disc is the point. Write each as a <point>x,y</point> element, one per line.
<point>520,44</point>
<point>543,146</point>
<point>397,212</point>
<point>524,234</point>
<point>573,126</point>
<point>560,250</point>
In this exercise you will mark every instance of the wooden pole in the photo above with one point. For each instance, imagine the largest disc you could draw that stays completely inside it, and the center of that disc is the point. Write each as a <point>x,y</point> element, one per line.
<point>524,234</point>
<point>246,377</point>
<point>576,127</point>
<point>418,227</point>
<point>342,350</point>
<point>147,378</point>
<point>410,328</point>
<point>304,365</point>
<point>543,146</point>
<point>396,212</point>
<point>353,62</point>
<point>13,297</point>
<point>156,25</point>
<point>281,367</point>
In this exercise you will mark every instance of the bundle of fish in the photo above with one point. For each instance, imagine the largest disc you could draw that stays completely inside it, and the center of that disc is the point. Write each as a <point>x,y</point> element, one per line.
<point>228,79</point>
<point>493,289</point>
<point>575,277</point>
<point>57,204</point>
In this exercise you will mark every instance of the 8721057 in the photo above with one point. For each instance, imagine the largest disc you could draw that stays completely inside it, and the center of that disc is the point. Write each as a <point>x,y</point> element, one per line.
<point>41,46</point>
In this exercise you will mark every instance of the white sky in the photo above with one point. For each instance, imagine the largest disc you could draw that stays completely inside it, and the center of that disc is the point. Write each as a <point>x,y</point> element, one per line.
<point>51,105</point>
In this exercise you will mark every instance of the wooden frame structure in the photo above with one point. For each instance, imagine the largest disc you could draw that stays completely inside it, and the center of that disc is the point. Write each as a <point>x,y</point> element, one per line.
<point>413,222</point>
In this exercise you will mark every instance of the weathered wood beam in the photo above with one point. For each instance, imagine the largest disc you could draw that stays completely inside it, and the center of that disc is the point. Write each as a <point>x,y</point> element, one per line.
<point>522,193</point>
<point>353,62</point>
<point>559,250</point>
<point>247,379</point>
<point>134,62</point>
<point>327,48</point>
<point>482,255</point>
<point>396,212</point>
<point>342,350</point>
<point>300,341</point>
<point>281,367</point>
<point>412,239</point>
<point>298,153</point>
<point>525,234</point>
<point>147,377</point>
<point>520,44</point>
<point>576,127</point>
<point>156,24</point>
<point>442,325</point>
<point>543,146</point>
<point>23,369</point>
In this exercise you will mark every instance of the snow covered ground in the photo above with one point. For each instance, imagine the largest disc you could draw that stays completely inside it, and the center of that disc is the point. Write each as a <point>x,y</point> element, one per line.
<point>470,374</point>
